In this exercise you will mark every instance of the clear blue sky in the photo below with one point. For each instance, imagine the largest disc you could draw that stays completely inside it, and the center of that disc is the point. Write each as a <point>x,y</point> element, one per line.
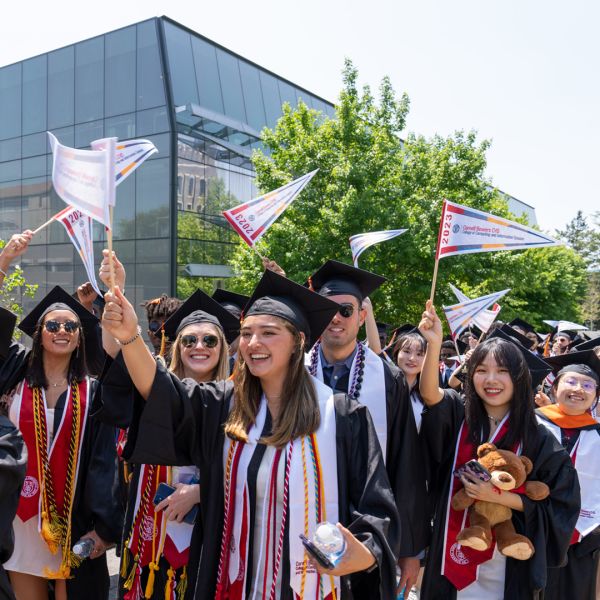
<point>523,73</point>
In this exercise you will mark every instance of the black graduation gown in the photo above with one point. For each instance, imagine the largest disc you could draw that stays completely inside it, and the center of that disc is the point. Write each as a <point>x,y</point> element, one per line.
<point>182,423</point>
<point>405,463</point>
<point>549,523</point>
<point>13,463</point>
<point>96,504</point>
<point>577,579</point>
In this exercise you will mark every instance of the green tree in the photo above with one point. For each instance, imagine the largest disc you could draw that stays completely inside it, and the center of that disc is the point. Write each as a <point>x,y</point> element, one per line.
<point>370,179</point>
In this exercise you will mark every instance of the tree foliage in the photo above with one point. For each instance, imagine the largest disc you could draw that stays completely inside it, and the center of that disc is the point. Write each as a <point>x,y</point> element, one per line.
<point>371,179</point>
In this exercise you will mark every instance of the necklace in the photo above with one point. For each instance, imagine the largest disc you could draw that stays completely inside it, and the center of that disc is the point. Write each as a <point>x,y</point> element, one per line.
<point>356,377</point>
<point>61,382</point>
<point>493,420</point>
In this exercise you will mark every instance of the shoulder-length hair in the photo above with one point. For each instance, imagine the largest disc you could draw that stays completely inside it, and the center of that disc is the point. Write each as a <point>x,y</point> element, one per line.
<point>220,372</point>
<point>300,415</point>
<point>522,416</point>
<point>405,340</point>
<point>36,376</point>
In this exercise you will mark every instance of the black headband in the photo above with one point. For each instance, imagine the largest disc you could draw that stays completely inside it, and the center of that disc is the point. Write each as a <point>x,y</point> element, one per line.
<point>198,316</point>
<point>57,306</point>
<point>284,308</point>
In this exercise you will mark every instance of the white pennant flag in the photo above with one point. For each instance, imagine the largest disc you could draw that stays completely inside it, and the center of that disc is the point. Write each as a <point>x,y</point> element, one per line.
<point>460,315</point>
<point>84,179</point>
<point>252,219</point>
<point>361,241</point>
<point>79,230</point>
<point>465,230</point>
<point>129,155</point>
<point>485,318</point>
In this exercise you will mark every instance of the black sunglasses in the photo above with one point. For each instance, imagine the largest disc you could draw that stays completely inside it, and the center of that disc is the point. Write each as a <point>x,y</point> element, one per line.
<point>154,326</point>
<point>346,310</point>
<point>208,341</point>
<point>53,326</point>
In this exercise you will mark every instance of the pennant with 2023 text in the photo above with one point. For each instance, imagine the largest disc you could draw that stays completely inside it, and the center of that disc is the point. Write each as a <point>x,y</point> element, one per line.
<point>465,230</point>
<point>485,318</point>
<point>252,219</point>
<point>460,315</point>
<point>79,230</point>
<point>361,241</point>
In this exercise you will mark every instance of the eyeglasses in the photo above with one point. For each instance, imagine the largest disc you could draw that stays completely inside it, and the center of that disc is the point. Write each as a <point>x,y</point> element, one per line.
<point>154,326</point>
<point>588,386</point>
<point>53,326</point>
<point>346,310</point>
<point>208,341</point>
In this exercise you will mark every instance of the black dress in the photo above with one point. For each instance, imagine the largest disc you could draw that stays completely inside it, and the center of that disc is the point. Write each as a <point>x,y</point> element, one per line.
<point>182,423</point>
<point>548,523</point>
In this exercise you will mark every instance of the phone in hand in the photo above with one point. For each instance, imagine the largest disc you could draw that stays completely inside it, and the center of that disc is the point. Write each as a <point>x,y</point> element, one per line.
<point>475,470</point>
<point>316,553</point>
<point>163,491</point>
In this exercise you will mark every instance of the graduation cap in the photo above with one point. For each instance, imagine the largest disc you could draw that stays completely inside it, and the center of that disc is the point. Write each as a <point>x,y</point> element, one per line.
<point>585,358</point>
<point>383,327</point>
<point>589,345</point>
<point>462,346</point>
<point>513,333</point>
<point>278,296</point>
<point>8,320</point>
<point>538,368</point>
<point>233,302</point>
<point>335,278</point>
<point>57,299</point>
<point>405,329</point>
<point>521,324</point>
<point>201,308</point>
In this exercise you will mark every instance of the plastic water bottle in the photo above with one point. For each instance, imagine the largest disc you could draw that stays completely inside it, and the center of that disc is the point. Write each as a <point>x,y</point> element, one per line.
<point>330,541</point>
<point>83,547</point>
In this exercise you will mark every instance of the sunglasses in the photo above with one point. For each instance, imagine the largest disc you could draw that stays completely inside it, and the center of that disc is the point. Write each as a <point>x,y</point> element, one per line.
<point>346,310</point>
<point>154,326</point>
<point>53,326</point>
<point>208,341</point>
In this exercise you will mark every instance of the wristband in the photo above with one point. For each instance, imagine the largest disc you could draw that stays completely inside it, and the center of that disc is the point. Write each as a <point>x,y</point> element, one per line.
<point>131,340</point>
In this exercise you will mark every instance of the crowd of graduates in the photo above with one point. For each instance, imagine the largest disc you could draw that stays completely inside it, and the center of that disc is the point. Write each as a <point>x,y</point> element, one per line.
<point>459,468</point>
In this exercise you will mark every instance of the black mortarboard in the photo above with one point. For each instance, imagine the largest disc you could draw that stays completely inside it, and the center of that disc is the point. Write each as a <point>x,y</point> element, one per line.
<point>524,325</point>
<point>589,345</point>
<point>587,358</point>
<point>383,327</point>
<point>8,321</point>
<point>281,297</point>
<point>404,329</point>
<point>513,333</point>
<point>538,368</point>
<point>462,346</point>
<point>201,308</point>
<point>233,302</point>
<point>57,299</point>
<point>335,278</point>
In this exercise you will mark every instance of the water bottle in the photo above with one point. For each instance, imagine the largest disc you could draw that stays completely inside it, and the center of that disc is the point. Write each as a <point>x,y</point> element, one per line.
<point>83,547</point>
<point>330,541</point>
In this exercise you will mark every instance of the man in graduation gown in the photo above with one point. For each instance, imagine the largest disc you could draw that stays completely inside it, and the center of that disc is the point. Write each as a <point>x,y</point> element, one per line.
<point>346,365</point>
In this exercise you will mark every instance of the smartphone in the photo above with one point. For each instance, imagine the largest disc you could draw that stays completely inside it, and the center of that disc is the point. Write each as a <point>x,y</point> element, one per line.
<point>316,553</point>
<point>475,470</point>
<point>164,491</point>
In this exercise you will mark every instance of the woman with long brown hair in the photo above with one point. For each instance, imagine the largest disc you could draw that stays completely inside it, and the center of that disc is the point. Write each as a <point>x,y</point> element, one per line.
<point>277,453</point>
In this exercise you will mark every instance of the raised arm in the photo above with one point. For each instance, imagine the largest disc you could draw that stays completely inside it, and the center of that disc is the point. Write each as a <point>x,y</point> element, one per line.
<point>15,247</point>
<point>371,327</point>
<point>431,329</point>
<point>120,321</point>
<point>111,347</point>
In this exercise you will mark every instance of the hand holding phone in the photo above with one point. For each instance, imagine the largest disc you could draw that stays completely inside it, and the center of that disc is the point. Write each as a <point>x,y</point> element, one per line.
<point>474,470</point>
<point>316,553</point>
<point>164,491</point>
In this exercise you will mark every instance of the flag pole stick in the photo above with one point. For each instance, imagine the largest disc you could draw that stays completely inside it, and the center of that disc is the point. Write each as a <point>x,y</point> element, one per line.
<point>44,225</point>
<point>434,280</point>
<point>109,238</point>
<point>457,350</point>
<point>262,258</point>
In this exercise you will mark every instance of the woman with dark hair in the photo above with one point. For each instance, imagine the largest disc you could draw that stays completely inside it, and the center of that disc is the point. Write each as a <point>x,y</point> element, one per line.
<point>71,471</point>
<point>277,451</point>
<point>575,391</point>
<point>497,408</point>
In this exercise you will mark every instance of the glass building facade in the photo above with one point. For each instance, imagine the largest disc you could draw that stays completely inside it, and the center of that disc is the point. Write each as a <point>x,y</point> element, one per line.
<point>200,104</point>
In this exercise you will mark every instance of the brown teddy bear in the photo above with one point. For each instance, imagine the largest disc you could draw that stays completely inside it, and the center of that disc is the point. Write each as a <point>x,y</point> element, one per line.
<point>509,472</point>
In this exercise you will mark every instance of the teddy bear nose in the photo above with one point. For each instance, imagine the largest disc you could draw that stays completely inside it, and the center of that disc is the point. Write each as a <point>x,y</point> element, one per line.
<point>505,478</point>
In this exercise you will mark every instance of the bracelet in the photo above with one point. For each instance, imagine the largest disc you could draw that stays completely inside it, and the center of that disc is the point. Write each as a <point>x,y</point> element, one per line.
<point>130,341</point>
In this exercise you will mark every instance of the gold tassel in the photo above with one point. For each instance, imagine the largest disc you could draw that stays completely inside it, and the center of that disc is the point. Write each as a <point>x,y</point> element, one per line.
<point>182,584</point>
<point>51,531</point>
<point>150,583</point>
<point>163,341</point>
<point>124,560</point>
<point>169,584</point>
<point>129,581</point>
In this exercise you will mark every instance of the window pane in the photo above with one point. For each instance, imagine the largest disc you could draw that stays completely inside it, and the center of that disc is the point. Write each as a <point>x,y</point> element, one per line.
<point>10,149</point>
<point>255,109</point>
<point>151,281</point>
<point>61,87</point>
<point>163,145</point>
<point>287,93</point>
<point>34,167</point>
<point>120,71</point>
<point>10,209</point>
<point>155,120</point>
<point>191,188</point>
<point>89,80</point>
<point>122,127</point>
<point>34,205</point>
<point>10,170</point>
<point>207,75</point>
<point>126,253</point>
<point>179,50</point>
<point>271,98</point>
<point>231,85</point>
<point>150,87</point>
<point>66,136</point>
<point>35,85</point>
<point>88,132</point>
<point>217,191</point>
<point>152,251</point>
<point>152,199</point>
<point>10,101</point>
<point>35,144</point>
